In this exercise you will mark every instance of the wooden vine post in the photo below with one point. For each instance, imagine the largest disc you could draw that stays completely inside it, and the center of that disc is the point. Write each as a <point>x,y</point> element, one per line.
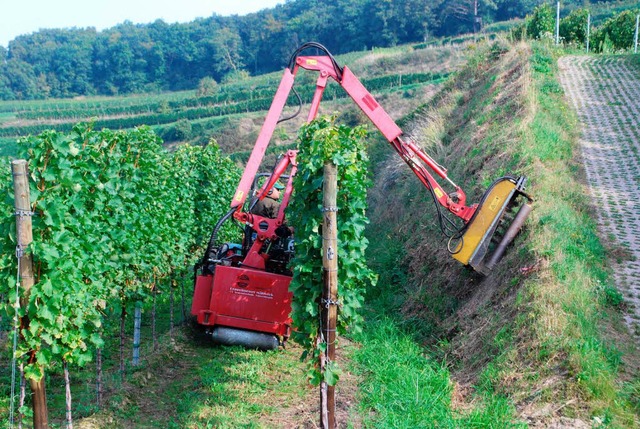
<point>330,291</point>
<point>24,236</point>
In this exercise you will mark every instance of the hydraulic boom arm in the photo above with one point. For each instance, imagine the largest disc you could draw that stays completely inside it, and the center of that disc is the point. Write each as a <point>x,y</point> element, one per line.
<point>472,240</point>
<point>417,160</point>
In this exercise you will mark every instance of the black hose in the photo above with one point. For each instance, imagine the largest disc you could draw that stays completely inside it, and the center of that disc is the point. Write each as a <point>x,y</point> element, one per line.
<point>299,107</point>
<point>320,47</point>
<point>214,235</point>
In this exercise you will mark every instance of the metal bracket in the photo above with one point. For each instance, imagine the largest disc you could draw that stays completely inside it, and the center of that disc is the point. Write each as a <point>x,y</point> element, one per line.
<point>328,302</point>
<point>20,251</point>
<point>22,213</point>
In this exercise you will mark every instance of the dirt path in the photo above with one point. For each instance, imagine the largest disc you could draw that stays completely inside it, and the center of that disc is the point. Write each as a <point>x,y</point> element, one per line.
<point>605,92</point>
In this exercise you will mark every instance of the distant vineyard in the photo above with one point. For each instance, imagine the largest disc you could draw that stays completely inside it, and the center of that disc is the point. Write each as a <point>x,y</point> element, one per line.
<point>228,102</point>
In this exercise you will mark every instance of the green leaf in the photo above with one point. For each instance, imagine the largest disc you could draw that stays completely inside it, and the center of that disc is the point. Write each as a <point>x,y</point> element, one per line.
<point>331,373</point>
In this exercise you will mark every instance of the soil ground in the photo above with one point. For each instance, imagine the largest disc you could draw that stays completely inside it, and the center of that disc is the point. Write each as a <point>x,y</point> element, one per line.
<point>605,91</point>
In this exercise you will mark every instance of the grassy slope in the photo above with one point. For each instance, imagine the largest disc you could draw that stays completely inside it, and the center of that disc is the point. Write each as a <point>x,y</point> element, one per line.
<point>539,330</point>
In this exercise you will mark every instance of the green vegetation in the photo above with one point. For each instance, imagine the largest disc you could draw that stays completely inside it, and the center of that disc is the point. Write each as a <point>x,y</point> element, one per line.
<point>578,299</point>
<point>403,388</point>
<point>612,30</point>
<point>536,331</point>
<point>322,142</point>
<point>440,346</point>
<point>616,33</point>
<point>168,115</point>
<point>134,58</point>
<point>100,198</point>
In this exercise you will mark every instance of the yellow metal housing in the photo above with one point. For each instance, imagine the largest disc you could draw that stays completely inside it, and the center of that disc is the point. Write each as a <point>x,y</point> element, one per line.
<point>473,247</point>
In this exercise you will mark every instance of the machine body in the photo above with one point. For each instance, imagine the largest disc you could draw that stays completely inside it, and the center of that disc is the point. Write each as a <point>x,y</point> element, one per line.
<point>245,291</point>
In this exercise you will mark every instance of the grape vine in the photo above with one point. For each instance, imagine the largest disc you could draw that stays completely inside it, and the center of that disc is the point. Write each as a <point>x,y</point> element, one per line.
<point>321,141</point>
<point>114,211</point>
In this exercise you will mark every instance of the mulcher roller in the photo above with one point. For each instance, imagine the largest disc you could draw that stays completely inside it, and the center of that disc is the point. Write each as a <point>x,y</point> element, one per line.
<point>492,229</point>
<point>241,337</point>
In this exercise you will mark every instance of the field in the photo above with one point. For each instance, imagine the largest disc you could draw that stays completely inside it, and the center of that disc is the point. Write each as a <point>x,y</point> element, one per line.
<point>230,114</point>
<point>611,137</point>
<point>539,343</point>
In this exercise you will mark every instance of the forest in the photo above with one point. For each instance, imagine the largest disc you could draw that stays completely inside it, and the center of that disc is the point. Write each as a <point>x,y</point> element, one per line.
<point>134,58</point>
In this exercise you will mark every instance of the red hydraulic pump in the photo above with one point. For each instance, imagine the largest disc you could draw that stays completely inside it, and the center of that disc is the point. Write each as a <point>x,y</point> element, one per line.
<point>241,292</point>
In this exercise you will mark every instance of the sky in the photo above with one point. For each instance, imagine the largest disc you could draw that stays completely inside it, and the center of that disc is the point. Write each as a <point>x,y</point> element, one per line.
<point>27,16</point>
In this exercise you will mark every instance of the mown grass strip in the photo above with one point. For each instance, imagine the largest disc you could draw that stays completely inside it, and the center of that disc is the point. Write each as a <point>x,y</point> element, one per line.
<point>234,387</point>
<point>575,298</point>
<point>405,388</point>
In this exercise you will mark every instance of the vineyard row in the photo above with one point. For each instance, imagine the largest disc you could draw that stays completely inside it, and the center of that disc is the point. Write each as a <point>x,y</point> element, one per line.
<point>261,101</point>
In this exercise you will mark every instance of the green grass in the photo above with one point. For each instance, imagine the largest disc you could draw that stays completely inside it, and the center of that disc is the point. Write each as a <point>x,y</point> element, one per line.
<point>404,388</point>
<point>574,305</point>
<point>238,389</point>
<point>187,383</point>
<point>543,338</point>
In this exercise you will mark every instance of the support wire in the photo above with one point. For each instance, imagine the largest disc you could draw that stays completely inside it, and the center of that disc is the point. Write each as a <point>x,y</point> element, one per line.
<point>16,307</point>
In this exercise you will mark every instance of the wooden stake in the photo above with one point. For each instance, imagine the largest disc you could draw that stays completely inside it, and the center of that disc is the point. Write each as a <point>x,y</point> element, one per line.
<point>99,388</point>
<point>67,392</point>
<point>24,237</point>
<point>330,290</point>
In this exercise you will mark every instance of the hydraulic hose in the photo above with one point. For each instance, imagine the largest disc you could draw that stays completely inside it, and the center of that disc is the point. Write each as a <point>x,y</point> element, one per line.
<point>214,235</point>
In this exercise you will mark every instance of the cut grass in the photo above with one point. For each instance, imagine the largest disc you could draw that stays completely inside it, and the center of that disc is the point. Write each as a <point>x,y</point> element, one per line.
<point>404,388</point>
<point>191,384</point>
<point>538,330</point>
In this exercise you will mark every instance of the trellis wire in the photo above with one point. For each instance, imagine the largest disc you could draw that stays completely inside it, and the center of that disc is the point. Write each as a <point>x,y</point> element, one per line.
<point>15,341</point>
<point>635,41</point>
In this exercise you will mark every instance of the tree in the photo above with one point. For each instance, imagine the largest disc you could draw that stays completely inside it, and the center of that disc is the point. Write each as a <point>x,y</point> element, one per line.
<point>62,57</point>
<point>541,22</point>
<point>227,44</point>
<point>207,86</point>
<point>20,80</point>
<point>509,9</point>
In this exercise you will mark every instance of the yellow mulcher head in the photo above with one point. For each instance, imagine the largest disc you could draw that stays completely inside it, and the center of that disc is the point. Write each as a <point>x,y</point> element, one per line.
<point>492,229</point>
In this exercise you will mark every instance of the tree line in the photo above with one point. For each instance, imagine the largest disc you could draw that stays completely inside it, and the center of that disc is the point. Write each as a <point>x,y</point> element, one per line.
<point>133,58</point>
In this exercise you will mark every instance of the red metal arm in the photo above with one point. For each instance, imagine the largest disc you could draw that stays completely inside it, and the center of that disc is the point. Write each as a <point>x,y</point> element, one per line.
<point>415,158</point>
<point>265,228</point>
<point>408,150</point>
<point>277,105</point>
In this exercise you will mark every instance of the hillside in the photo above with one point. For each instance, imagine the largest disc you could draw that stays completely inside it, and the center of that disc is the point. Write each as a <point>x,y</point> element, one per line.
<point>538,343</point>
<point>133,58</point>
<point>545,329</point>
<point>149,58</point>
<point>233,113</point>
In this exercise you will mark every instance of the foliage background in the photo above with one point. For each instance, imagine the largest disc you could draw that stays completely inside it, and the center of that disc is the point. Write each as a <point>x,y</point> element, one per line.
<point>114,213</point>
<point>320,142</point>
<point>131,58</point>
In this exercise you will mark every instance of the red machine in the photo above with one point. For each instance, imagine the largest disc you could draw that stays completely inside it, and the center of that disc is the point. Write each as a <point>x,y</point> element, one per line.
<point>241,294</point>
